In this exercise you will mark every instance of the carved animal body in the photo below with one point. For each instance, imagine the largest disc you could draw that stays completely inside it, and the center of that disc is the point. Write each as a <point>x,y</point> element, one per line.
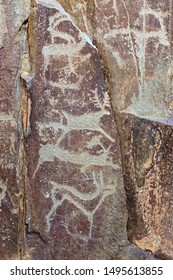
<point>131,44</point>
<point>94,159</point>
<point>69,192</point>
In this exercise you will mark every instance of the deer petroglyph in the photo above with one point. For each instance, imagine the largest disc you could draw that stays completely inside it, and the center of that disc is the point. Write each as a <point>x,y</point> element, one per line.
<point>66,45</point>
<point>77,198</point>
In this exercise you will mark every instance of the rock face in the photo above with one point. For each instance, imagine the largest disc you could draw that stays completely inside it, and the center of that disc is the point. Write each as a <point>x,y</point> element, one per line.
<point>13,53</point>
<point>86,136</point>
<point>74,162</point>
<point>135,42</point>
<point>148,180</point>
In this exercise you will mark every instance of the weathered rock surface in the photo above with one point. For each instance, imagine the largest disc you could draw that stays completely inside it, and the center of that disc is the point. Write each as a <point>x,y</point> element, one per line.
<point>135,42</point>
<point>12,52</point>
<point>141,44</point>
<point>147,160</point>
<point>74,162</point>
<point>85,135</point>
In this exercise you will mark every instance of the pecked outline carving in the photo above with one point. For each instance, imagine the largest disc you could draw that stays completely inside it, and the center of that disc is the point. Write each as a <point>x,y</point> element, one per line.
<point>89,121</point>
<point>69,192</point>
<point>3,191</point>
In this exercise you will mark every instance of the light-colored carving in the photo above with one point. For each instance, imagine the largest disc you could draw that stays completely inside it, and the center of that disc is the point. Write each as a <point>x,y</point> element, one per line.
<point>87,121</point>
<point>49,152</point>
<point>54,4</point>
<point>3,24</point>
<point>71,50</point>
<point>3,191</point>
<point>102,102</point>
<point>6,164</point>
<point>91,122</point>
<point>12,140</point>
<point>77,198</point>
<point>152,99</point>
<point>8,117</point>
<point>138,39</point>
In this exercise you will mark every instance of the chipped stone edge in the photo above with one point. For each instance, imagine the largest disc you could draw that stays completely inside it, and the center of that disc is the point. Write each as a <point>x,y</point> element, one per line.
<point>162,120</point>
<point>54,4</point>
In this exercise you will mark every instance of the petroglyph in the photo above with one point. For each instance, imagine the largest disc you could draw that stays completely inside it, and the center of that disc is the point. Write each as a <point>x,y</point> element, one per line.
<point>70,49</point>
<point>12,140</point>
<point>77,198</point>
<point>72,86</point>
<point>102,101</point>
<point>49,152</point>
<point>8,117</point>
<point>91,122</point>
<point>3,191</point>
<point>138,38</point>
<point>144,35</point>
<point>3,24</point>
<point>87,121</point>
<point>7,120</point>
<point>57,6</point>
<point>72,46</point>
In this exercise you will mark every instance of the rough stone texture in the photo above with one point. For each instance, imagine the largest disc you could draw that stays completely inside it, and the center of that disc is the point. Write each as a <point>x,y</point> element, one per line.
<point>12,50</point>
<point>135,42</point>
<point>137,37</point>
<point>147,161</point>
<point>74,162</point>
<point>86,114</point>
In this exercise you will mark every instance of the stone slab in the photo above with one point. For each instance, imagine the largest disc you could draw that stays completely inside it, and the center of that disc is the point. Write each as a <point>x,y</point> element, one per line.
<point>75,194</point>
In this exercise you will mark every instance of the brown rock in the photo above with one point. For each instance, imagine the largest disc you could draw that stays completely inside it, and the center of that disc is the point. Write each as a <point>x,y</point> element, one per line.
<point>74,111</point>
<point>75,194</point>
<point>135,43</point>
<point>147,156</point>
<point>11,133</point>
